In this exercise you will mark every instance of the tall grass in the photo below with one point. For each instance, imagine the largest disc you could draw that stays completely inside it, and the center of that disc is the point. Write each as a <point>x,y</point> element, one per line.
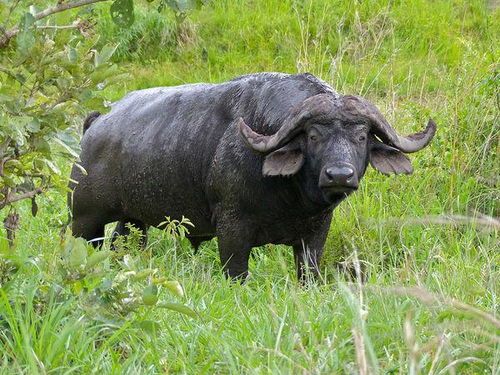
<point>152,34</point>
<point>411,270</point>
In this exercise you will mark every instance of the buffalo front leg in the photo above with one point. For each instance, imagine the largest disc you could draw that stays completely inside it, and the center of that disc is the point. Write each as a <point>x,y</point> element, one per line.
<point>234,248</point>
<point>308,251</point>
<point>307,260</point>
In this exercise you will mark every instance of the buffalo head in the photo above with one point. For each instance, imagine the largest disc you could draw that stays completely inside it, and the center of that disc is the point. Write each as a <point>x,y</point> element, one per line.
<point>334,139</point>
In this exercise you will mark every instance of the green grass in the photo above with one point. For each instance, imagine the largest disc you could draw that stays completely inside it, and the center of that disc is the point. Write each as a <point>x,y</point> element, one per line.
<point>414,59</point>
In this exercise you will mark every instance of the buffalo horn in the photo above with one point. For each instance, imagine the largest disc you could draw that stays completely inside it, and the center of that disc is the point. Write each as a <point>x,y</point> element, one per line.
<point>314,106</point>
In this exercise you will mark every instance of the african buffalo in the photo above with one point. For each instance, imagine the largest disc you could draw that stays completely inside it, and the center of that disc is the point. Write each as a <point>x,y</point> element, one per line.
<point>263,158</point>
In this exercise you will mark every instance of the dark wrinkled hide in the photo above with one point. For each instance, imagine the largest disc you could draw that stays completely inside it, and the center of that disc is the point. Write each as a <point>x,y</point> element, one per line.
<point>203,151</point>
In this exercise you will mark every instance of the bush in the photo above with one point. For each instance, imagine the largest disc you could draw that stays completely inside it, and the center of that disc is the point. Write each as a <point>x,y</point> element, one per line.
<point>50,77</point>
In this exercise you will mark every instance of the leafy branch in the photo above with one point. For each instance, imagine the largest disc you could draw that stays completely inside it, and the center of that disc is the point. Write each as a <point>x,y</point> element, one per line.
<point>60,7</point>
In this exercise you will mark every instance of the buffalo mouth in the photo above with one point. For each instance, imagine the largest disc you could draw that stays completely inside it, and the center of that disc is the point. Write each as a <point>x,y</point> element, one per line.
<point>331,192</point>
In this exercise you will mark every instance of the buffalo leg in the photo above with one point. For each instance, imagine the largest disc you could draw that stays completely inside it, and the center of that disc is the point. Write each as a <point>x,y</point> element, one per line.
<point>234,260</point>
<point>122,229</point>
<point>90,228</point>
<point>234,250</point>
<point>307,261</point>
<point>196,241</point>
<point>308,251</point>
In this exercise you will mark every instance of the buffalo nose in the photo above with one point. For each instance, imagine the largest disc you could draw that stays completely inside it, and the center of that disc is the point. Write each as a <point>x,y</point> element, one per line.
<point>344,176</point>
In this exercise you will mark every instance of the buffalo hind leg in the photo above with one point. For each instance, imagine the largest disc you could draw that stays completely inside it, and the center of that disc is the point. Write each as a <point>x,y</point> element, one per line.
<point>122,229</point>
<point>196,241</point>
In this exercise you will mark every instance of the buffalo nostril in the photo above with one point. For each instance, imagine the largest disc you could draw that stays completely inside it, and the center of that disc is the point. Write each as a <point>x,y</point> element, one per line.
<point>349,172</point>
<point>331,173</point>
<point>339,175</point>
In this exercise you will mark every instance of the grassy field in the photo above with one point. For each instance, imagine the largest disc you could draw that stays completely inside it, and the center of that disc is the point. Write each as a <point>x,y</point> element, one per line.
<point>425,245</point>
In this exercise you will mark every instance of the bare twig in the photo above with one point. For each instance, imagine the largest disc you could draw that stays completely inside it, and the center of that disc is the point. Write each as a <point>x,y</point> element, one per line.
<point>53,27</point>
<point>60,7</point>
<point>14,198</point>
<point>64,6</point>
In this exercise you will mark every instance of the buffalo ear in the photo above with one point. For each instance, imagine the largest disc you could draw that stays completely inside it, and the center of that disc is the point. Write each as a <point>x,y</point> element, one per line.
<point>387,159</point>
<point>285,161</point>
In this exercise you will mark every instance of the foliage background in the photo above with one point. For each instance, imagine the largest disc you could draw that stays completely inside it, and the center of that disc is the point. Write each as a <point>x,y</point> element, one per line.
<point>431,231</point>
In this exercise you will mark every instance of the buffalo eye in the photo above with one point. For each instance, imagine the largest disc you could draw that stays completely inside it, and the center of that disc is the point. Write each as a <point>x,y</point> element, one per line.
<point>362,138</point>
<point>314,135</point>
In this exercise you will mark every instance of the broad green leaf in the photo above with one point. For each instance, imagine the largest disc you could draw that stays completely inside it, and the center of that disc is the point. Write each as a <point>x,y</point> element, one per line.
<point>97,258</point>
<point>179,308</point>
<point>148,326</point>
<point>73,153</point>
<point>122,12</point>
<point>85,95</point>
<point>18,134</point>
<point>7,181</point>
<point>52,166</point>
<point>105,54</point>
<point>26,37</point>
<point>72,55</point>
<point>33,126</point>
<point>78,254</point>
<point>63,83</point>
<point>141,275</point>
<point>175,287</point>
<point>41,145</point>
<point>102,72</point>
<point>96,103</point>
<point>118,78</point>
<point>150,295</point>
<point>13,164</point>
